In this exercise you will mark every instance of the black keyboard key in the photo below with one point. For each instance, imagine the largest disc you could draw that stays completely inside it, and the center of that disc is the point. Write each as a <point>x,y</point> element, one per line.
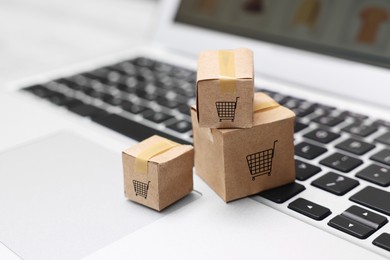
<point>73,103</point>
<point>94,93</point>
<point>170,103</point>
<point>126,67</point>
<point>87,110</point>
<point>351,227</point>
<point>185,109</point>
<point>322,136</point>
<point>328,120</point>
<point>309,151</point>
<point>186,90</point>
<point>292,103</point>
<point>100,74</point>
<point>355,146</point>
<point>39,90</point>
<point>283,193</point>
<point>322,110</point>
<point>151,96</point>
<point>382,157</point>
<point>305,108</point>
<point>112,100</point>
<point>132,129</point>
<point>382,123</point>
<point>353,115</point>
<point>181,126</point>
<point>59,99</point>
<point>335,183</point>
<point>384,139</point>
<point>133,108</point>
<point>144,62</point>
<point>156,117</point>
<point>383,241</point>
<point>365,217</point>
<point>309,209</point>
<point>341,162</point>
<point>373,198</point>
<point>299,126</point>
<point>375,174</point>
<point>360,130</point>
<point>305,170</point>
<point>162,67</point>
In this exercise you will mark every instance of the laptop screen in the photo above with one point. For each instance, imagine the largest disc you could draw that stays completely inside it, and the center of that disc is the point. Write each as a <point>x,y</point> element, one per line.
<point>353,29</point>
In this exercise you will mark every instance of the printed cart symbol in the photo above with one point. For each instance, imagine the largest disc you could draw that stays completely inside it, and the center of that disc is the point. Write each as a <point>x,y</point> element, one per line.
<point>141,188</point>
<point>261,163</point>
<point>226,109</point>
<point>310,206</point>
<point>350,225</point>
<point>365,214</point>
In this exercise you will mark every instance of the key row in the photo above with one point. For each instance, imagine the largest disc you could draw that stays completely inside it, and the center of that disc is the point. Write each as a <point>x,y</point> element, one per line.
<point>356,221</point>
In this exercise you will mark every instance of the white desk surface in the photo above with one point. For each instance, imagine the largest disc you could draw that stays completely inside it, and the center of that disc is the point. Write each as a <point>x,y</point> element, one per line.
<point>42,35</point>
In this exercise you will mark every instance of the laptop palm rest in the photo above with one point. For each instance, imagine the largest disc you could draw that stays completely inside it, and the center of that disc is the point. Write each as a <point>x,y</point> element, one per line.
<point>62,198</point>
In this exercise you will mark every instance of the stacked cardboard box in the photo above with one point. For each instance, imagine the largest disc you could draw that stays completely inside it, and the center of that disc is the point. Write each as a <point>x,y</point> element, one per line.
<point>251,151</point>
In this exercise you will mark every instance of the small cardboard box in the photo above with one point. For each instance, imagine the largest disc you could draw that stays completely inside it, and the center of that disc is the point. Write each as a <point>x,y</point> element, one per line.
<point>224,88</point>
<point>158,172</point>
<point>237,163</point>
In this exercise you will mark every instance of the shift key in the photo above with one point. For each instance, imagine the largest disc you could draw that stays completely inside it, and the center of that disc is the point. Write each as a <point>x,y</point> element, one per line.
<point>373,198</point>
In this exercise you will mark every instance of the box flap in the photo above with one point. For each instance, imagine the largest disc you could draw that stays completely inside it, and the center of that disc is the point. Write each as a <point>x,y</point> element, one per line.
<point>160,158</point>
<point>209,67</point>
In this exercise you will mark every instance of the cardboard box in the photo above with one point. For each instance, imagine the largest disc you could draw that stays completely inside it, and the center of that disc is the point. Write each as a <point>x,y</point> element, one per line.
<point>158,172</point>
<point>225,87</point>
<point>237,163</point>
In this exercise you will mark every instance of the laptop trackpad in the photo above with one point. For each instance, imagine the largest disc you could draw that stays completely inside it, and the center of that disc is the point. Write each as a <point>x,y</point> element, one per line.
<point>62,198</point>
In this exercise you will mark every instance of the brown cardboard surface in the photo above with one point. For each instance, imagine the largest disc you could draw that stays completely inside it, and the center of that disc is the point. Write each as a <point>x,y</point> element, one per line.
<point>209,90</point>
<point>169,176</point>
<point>221,154</point>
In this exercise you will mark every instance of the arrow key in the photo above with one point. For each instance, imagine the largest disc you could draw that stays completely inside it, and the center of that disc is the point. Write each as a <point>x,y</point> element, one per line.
<point>351,227</point>
<point>309,209</point>
<point>365,217</point>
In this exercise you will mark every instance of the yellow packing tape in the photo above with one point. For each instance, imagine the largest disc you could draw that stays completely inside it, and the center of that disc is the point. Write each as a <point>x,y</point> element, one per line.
<point>263,102</point>
<point>227,71</point>
<point>141,162</point>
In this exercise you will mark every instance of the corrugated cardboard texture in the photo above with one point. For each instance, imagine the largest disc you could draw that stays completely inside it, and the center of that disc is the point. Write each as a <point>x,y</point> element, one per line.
<point>169,176</point>
<point>209,91</point>
<point>221,154</point>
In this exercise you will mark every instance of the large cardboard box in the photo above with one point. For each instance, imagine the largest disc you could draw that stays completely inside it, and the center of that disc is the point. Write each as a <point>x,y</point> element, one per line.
<point>225,87</point>
<point>158,172</point>
<point>237,163</point>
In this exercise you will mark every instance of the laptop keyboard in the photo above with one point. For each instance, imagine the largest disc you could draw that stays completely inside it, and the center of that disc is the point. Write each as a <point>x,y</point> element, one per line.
<point>142,97</point>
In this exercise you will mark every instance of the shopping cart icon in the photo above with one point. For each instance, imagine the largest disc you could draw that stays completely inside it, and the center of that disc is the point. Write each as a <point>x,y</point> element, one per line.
<point>226,109</point>
<point>260,163</point>
<point>141,188</point>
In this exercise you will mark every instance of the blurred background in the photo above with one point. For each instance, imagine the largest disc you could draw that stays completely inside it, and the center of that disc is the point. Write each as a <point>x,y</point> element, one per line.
<point>41,35</point>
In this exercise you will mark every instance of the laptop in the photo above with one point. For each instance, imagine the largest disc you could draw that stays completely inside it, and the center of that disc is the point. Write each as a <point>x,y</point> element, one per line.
<point>61,188</point>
